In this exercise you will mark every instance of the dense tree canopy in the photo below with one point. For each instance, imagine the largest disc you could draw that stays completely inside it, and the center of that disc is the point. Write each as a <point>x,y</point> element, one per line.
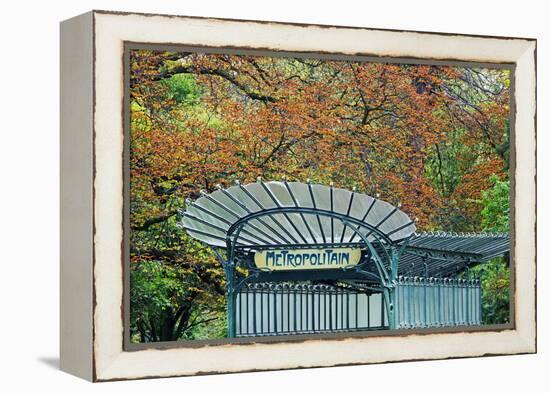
<point>434,138</point>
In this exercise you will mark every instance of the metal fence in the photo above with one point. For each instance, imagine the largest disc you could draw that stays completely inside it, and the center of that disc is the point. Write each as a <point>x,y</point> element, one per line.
<point>265,309</point>
<point>437,302</point>
<point>277,309</point>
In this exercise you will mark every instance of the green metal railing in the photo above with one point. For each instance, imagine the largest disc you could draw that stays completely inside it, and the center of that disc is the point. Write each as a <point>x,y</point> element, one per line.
<point>437,302</point>
<point>265,309</point>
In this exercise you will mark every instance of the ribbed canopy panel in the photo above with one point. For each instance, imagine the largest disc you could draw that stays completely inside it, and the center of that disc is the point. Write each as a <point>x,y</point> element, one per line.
<point>292,213</point>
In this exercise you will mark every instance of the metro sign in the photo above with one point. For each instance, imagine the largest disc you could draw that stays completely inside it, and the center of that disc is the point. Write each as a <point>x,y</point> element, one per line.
<point>307,259</point>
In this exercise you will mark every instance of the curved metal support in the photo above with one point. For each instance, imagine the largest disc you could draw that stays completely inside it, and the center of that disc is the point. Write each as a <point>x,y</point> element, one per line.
<point>388,284</point>
<point>386,279</point>
<point>383,248</point>
<point>231,289</point>
<point>404,244</point>
<point>358,269</point>
<point>219,256</point>
<point>248,278</point>
<point>374,254</point>
<point>307,210</point>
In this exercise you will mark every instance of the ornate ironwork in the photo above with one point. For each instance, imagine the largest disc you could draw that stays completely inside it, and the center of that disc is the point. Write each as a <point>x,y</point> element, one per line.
<point>246,219</point>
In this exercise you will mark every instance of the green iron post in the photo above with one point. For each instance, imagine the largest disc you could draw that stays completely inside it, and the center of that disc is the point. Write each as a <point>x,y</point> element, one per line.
<point>392,311</point>
<point>231,299</point>
<point>230,268</point>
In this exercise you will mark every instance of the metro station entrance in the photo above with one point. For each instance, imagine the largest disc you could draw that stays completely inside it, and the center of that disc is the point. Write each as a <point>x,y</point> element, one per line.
<point>303,258</point>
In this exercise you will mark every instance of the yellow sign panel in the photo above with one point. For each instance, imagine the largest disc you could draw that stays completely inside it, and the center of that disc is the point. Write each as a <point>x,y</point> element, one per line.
<point>307,259</point>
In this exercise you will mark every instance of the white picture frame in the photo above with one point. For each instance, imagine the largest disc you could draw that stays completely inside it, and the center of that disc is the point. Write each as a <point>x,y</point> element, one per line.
<point>92,184</point>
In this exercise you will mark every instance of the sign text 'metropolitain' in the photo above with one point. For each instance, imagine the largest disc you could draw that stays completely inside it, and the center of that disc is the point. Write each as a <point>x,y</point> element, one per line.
<point>303,259</point>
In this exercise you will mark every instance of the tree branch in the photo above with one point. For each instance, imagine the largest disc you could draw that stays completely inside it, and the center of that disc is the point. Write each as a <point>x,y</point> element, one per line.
<point>152,221</point>
<point>188,69</point>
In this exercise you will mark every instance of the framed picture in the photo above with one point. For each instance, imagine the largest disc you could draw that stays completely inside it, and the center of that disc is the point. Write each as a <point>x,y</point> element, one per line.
<point>245,195</point>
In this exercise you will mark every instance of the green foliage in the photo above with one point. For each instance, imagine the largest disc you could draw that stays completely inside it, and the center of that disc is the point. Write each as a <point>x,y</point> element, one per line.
<point>445,167</point>
<point>176,286</point>
<point>496,206</point>
<point>215,328</point>
<point>495,274</point>
<point>495,294</point>
<point>167,303</point>
<point>155,287</point>
<point>461,176</point>
<point>183,89</point>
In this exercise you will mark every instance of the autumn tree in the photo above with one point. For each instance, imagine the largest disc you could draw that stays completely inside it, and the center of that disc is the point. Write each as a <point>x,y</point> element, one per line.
<point>427,136</point>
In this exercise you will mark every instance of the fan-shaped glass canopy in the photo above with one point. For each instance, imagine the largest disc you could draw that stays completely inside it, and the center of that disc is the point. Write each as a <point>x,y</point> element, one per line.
<point>267,214</point>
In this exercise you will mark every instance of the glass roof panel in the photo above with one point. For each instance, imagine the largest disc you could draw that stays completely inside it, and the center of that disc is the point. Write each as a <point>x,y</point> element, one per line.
<point>319,222</point>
